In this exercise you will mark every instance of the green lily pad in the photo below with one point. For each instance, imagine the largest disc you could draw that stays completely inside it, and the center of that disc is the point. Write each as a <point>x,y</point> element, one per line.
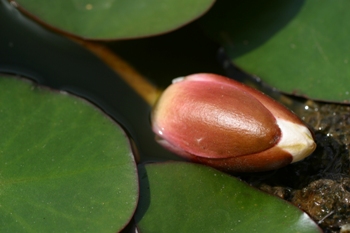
<point>186,197</point>
<point>111,19</point>
<point>64,165</point>
<point>299,47</point>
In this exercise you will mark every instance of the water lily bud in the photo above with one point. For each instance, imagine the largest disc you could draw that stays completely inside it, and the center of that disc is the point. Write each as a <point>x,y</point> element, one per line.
<point>217,121</point>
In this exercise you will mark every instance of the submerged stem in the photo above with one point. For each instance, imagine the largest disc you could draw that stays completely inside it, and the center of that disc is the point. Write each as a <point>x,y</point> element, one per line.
<point>129,74</point>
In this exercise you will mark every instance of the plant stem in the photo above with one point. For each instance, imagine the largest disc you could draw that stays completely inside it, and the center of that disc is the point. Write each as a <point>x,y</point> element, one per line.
<point>135,80</point>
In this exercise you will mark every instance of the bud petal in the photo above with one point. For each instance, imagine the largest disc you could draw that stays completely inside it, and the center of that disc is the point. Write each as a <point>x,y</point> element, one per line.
<point>296,139</point>
<point>217,121</point>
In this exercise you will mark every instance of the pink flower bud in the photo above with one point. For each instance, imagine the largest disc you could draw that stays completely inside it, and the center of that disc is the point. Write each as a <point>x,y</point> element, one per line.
<point>217,121</point>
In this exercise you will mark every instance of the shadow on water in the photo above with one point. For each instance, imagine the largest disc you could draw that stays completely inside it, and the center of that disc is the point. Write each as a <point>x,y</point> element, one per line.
<point>245,25</point>
<point>180,53</point>
<point>145,195</point>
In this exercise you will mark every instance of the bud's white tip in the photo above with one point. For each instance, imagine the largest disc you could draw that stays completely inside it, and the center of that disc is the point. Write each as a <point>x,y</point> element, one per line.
<point>296,139</point>
<point>176,80</point>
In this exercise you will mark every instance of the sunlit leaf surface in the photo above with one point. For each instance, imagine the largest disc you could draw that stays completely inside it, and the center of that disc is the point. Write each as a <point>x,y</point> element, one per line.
<point>64,165</point>
<point>115,19</point>
<point>299,47</point>
<point>185,197</point>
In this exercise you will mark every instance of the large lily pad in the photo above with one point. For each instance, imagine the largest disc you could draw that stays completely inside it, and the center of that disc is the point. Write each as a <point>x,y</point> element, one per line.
<point>300,47</point>
<point>115,19</point>
<point>64,165</point>
<point>185,197</point>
